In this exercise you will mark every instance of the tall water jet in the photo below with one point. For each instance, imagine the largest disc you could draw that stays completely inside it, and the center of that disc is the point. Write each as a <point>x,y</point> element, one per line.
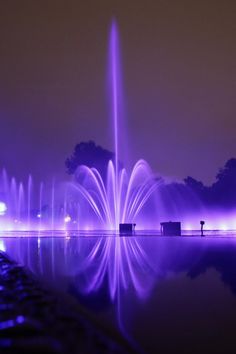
<point>114,58</point>
<point>119,198</point>
<point>20,201</point>
<point>29,201</point>
<point>53,204</point>
<point>114,87</point>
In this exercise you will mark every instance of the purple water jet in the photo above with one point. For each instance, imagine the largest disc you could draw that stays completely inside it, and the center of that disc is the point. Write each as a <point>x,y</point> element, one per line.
<point>121,197</point>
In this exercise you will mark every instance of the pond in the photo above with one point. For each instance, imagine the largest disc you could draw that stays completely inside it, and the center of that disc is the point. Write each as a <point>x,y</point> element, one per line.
<point>161,294</point>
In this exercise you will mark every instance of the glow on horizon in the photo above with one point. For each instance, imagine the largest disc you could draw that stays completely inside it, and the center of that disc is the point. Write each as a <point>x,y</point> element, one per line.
<point>67,219</point>
<point>3,208</point>
<point>12,226</point>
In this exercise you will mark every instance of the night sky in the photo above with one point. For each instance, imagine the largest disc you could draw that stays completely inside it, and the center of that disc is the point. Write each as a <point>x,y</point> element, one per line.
<point>179,76</point>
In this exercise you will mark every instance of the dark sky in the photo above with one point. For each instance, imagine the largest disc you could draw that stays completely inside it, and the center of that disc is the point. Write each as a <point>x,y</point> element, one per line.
<point>179,75</point>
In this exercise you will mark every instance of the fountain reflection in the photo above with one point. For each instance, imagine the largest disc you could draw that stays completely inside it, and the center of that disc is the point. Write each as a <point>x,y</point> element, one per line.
<point>133,264</point>
<point>128,281</point>
<point>122,262</point>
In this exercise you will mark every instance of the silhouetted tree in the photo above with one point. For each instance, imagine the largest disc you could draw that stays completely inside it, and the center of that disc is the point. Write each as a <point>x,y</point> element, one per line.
<point>197,187</point>
<point>223,191</point>
<point>91,155</point>
<point>192,183</point>
<point>228,172</point>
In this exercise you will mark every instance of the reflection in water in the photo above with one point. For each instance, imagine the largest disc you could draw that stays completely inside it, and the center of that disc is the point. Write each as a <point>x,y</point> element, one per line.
<point>122,262</point>
<point>125,262</point>
<point>136,278</point>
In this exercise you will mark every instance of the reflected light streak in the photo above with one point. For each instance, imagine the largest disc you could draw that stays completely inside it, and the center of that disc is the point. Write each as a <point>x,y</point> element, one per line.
<point>123,261</point>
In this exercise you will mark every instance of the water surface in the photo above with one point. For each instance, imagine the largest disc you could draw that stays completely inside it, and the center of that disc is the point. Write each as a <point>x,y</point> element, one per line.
<point>163,294</point>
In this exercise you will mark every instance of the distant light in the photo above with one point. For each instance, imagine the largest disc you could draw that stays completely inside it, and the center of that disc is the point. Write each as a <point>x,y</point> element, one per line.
<point>3,208</point>
<point>67,218</point>
<point>188,227</point>
<point>2,246</point>
<point>67,236</point>
<point>39,215</point>
<point>224,227</point>
<point>20,319</point>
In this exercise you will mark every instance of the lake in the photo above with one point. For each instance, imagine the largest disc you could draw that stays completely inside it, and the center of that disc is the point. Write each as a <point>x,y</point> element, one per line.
<point>161,294</point>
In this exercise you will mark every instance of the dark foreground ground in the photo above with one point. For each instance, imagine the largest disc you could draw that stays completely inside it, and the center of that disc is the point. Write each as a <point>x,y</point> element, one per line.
<point>35,320</point>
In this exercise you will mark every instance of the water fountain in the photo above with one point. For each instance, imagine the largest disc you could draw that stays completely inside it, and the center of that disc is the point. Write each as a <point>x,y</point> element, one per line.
<point>127,269</point>
<point>94,202</point>
<point>118,199</point>
<point>121,197</point>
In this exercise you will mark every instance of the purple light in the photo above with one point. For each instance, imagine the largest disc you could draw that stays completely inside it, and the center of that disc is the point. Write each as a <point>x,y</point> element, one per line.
<point>95,202</point>
<point>122,198</point>
<point>3,208</point>
<point>20,319</point>
<point>125,263</point>
<point>67,219</point>
<point>114,75</point>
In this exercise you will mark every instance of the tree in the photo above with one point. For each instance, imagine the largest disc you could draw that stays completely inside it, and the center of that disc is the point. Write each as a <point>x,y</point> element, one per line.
<point>197,187</point>
<point>192,183</point>
<point>228,172</point>
<point>91,155</point>
<point>224,189</point>
<point>222,193</point>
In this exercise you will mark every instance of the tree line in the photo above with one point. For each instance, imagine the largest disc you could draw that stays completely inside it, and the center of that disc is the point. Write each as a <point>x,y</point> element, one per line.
<point>222,193</point>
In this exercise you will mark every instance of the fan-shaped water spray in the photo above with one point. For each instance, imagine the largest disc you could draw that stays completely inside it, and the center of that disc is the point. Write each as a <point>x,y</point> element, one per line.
<point>119,199</point>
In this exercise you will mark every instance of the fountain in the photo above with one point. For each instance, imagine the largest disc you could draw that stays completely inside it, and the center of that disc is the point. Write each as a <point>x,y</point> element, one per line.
<point>118,199</point>
<point>122,196</point>
<point>93,201</point>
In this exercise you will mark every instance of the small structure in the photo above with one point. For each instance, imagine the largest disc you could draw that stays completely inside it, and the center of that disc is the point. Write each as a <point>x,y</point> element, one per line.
<point>171,228</point>
<point>127,228</point>
<point>202,223</point>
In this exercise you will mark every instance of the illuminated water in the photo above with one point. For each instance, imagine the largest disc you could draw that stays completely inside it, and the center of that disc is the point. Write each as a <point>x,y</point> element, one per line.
<point>94,201</point>
<point>101,202</point>
<point>121,196</point>
<point>162,294</point>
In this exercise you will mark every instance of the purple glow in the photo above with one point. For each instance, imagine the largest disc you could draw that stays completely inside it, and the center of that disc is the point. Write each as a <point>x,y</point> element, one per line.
<point>118,199</point>
<point>124,261</point>
<point>90,205</point>
<point>122,198</point>
<point>3,208</point>
<point>94,202</point>
<point>114,89</point>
